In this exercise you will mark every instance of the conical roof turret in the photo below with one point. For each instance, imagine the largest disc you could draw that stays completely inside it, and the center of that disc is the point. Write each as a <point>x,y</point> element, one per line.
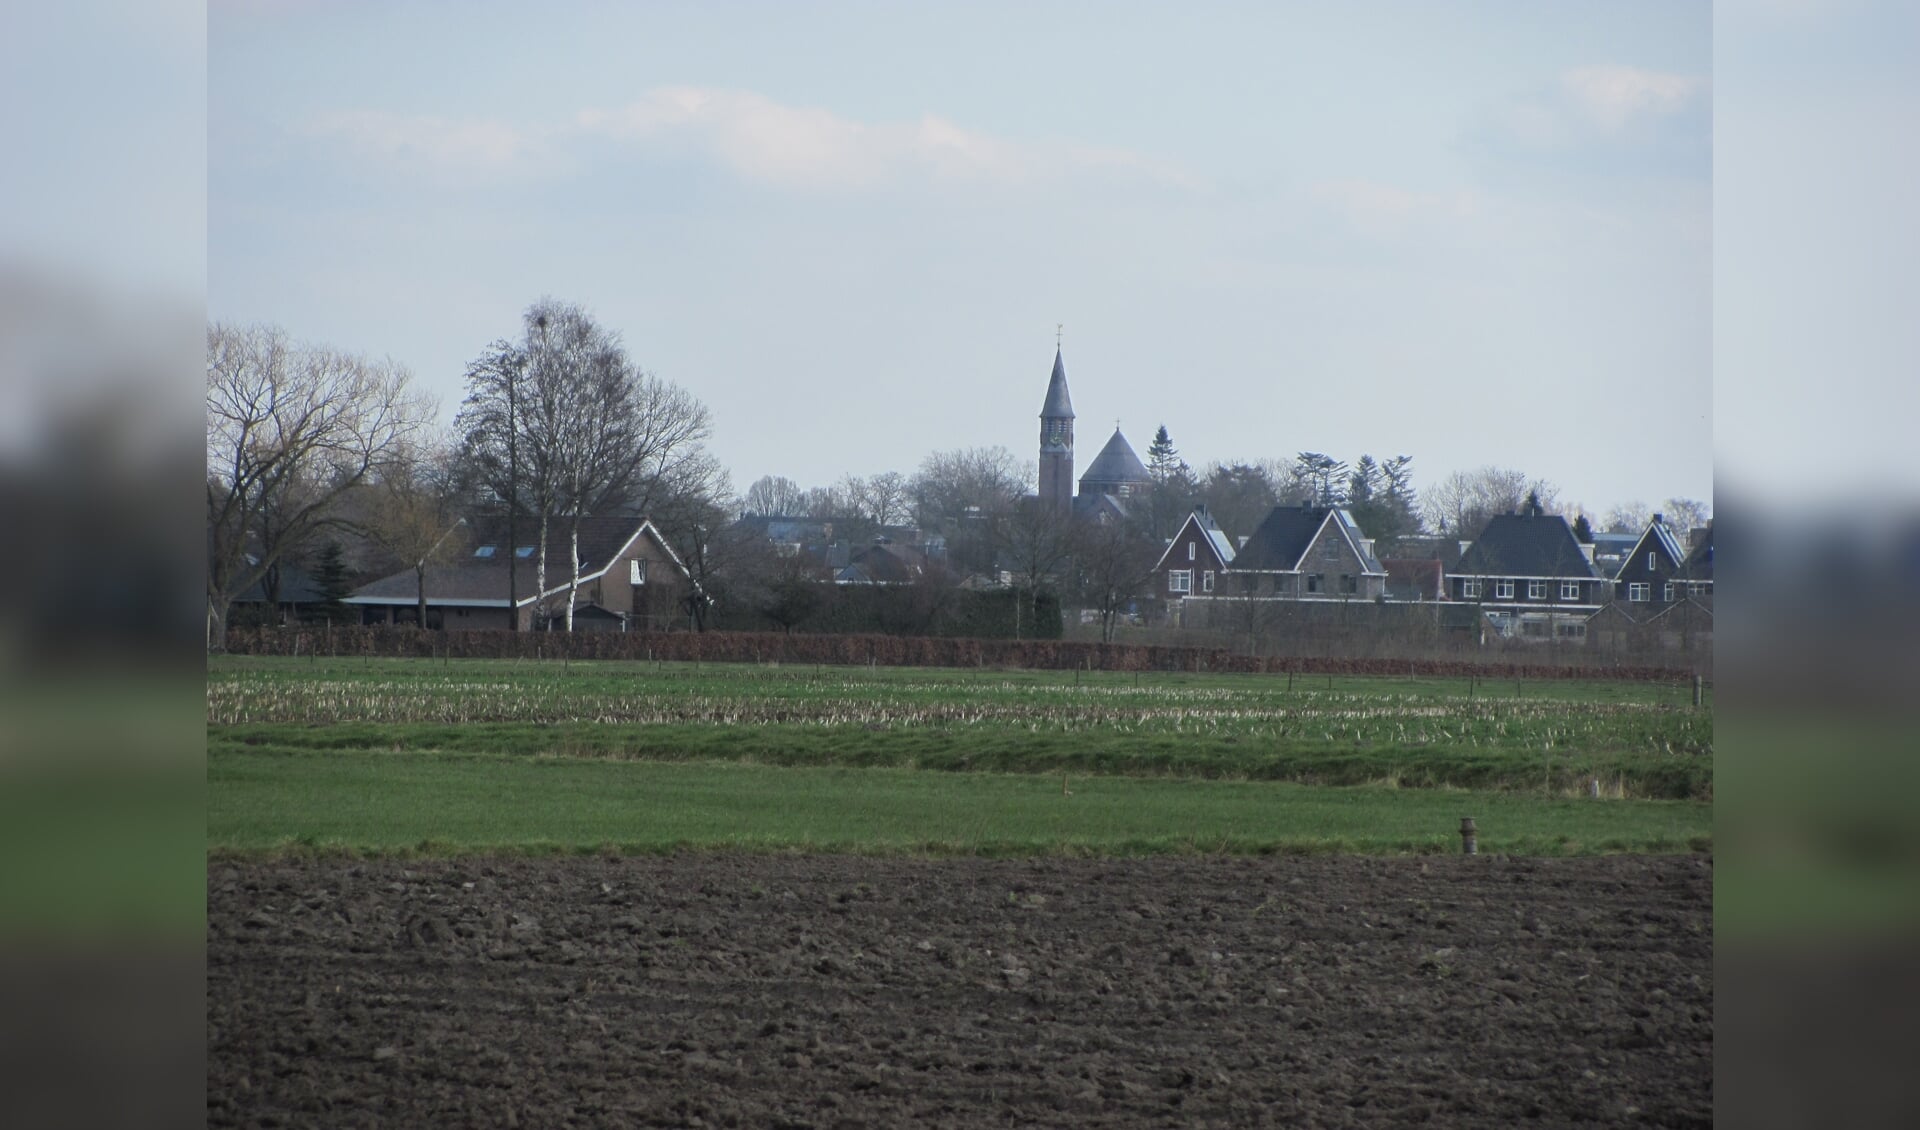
<point>1059,405</point>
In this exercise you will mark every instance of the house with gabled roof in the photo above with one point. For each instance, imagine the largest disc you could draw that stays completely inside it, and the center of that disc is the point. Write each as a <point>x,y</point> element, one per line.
<point>1651,572</point>
<point>880,564</point>
<point>1195,560</point>
<point>1307,553</point>
<point>630,580</point>
<point>1696,572</point>
<point>1530,577</point>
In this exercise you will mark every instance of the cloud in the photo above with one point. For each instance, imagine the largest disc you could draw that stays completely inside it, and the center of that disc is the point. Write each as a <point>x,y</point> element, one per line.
<point>1613,96</point>
<point>757,138</point>
<point>426,140</point>
<point>1599,120</point>
<point>808,147</point>
<point>1384,210</point>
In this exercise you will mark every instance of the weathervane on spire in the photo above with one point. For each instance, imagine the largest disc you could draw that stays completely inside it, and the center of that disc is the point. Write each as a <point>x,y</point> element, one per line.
<point>1057,327</point>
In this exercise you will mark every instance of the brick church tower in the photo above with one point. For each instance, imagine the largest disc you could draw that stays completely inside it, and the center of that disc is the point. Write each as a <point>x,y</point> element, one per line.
<point>1056,442</point>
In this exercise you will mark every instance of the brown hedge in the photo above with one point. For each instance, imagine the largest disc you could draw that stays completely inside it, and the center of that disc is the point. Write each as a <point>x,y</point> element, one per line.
<point>884,651</point>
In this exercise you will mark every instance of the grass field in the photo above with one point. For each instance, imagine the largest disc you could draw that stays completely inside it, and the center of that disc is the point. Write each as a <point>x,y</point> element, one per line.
<point>394,755</point>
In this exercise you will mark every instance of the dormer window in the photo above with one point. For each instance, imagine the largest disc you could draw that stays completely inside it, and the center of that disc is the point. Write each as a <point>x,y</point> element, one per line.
<point>485,551</point>
<point>523,551</point>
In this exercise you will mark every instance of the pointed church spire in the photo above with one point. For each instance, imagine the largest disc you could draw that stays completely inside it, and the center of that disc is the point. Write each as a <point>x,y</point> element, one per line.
<point>1059,405</point>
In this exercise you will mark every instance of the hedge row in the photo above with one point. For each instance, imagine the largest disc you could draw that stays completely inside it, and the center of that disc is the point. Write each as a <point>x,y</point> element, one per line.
<point>885,651</point>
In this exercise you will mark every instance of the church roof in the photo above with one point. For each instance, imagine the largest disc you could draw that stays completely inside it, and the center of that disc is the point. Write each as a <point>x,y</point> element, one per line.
<point>1058,402</point>
<point>1116,463</point>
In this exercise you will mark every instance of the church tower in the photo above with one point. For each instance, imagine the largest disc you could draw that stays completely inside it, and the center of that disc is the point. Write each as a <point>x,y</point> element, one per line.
<point>1056,441</point>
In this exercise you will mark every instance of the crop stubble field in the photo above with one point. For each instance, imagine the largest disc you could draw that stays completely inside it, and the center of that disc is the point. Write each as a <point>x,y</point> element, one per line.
<point>602,960</point>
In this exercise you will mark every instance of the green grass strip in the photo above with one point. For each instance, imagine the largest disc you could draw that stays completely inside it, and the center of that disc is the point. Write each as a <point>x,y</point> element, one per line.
<point>363,802</point>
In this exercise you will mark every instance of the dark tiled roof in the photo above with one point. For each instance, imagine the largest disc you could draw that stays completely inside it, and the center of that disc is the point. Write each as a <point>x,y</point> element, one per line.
<point>1699,564</point>
<point>1116,463</point>
<point>470,577</point>
<point>297,586</point>
<point>883,566</point>
<point>1058,402</point>
<point>1280,539</point>
<point>1525,545</point>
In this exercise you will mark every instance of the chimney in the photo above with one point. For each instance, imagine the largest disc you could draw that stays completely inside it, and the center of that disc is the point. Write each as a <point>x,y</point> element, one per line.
<point>1659,519</point>
<point>1586,551</point>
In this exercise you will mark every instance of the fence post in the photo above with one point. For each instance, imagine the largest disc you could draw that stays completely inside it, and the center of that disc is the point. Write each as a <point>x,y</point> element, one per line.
<point>1696,691</point>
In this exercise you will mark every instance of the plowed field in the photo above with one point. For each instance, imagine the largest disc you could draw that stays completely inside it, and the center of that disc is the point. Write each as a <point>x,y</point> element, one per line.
<point>830,991</point>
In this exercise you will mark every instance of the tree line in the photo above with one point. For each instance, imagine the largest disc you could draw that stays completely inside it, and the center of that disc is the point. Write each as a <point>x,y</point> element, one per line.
<point>334,461</point>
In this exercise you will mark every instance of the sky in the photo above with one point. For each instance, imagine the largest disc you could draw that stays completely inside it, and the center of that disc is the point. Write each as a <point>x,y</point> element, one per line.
<point>1471,233</point>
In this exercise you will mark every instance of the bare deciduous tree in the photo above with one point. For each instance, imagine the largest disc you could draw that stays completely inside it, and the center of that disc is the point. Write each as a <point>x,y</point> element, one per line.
<point>290,428</point>
<point>1462,503</point>
<point>1116,561</point>
<point>1035,541</point>
<point>883,497</point>
<point>413,513</point>
<point>774,496</point>
<point>563,424</point>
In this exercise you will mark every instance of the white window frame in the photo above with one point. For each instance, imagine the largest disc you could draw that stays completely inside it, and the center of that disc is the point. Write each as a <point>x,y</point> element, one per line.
<point>1569,590</point>
<point>1206,581</point>
<point>1536,590</point>
<point>637,571</point>
<point>1316,582</point>
<point>1191,548</point>
<point>1503,590</point>
<point>1469,587</point>
<point>1653,561</point>
<point>1639,592</point>
<point>1669,593</point>
<point>1180,580</point>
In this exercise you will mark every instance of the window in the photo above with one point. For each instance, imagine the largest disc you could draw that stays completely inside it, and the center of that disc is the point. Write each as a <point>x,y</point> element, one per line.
<point>1180,580</point>
<point>1572,631</point>
<point>637,571</point>
<point>1469,587</point>
<point>1653,561</point>
<point>523,551</point>
<point>1536,590</point>
<point>1569,590</point>
<point>1316,582</point>
<point>484,551</point>
<point>1503,590</point>
<point>1534,628</point>
<point>1669,593</point>
<point>1639,590</point>
<point>1190,549</point>
<point>1349,583</point>
<point>1206,581</point>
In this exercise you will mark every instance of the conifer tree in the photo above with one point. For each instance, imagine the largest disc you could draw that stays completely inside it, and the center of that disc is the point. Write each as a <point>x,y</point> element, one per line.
<point>331,578</point>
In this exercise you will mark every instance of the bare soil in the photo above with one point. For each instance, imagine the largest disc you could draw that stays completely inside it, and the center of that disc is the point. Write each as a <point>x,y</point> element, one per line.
<point>832,991</point>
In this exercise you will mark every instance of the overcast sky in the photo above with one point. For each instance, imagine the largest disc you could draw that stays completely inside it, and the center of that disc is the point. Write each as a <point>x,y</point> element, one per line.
<point>1471,233</point>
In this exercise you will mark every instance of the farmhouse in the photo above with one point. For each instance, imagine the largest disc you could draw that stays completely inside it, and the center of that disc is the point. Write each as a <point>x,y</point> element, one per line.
<point>1529,577</point>
<point>1195,560</point>
<point>1308,553</point>
<point>630,580</point>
